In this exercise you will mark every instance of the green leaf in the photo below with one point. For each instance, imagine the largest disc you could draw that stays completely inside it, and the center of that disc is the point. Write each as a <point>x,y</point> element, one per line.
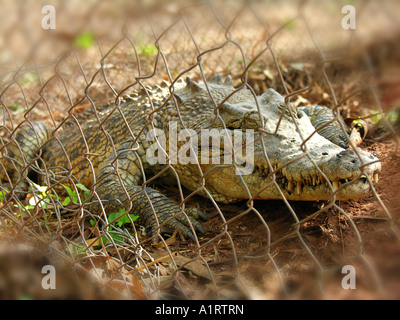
<point>84,40</point>
<point>71,193</point>
<point>85,190</point>
<point>66,201</point>
<point>125,219</point>
<point>149,50</point>
<point>14,106</point>
<point>28,77</point>
<point>3,193</point>
<point>393,116</point>
<point>376,118</point>
<point>122,218</point>
<point>290,25</point>
<point>111,233</point>
<point>69,190</point>
<point>116,215</point>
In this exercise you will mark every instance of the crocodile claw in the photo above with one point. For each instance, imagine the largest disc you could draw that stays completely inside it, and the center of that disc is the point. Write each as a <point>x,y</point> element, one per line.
<point>168,222</point>
<point>196,214</point>
<point>190,236</point>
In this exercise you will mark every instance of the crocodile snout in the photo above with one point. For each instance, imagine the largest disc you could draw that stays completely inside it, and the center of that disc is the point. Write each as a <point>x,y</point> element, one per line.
<point>350,164</point>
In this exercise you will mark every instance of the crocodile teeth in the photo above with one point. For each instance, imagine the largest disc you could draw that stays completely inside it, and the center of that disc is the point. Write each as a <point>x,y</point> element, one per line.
<point>314,180</point>
<point>290,186</point>
<point>376,178</point>
<point>298,187</point>
<point>335,185</point>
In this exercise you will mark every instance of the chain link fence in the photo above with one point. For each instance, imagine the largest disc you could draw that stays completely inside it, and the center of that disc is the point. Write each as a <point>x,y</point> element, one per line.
<point>59,64</point>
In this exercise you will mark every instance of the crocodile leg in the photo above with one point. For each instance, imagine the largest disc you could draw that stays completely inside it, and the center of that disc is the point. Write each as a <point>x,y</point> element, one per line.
<point>155,210</point>
<point>321,116</point>
<point>18,154</point>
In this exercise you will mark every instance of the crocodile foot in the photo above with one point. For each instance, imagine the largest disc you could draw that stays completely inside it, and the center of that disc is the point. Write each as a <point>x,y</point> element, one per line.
<point>156,212</point>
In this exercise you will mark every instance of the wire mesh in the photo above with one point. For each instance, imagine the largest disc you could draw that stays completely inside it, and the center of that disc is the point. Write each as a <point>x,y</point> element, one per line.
<point>253,249</point>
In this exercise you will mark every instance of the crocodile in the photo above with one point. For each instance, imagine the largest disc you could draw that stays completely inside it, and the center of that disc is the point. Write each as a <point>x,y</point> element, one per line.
<point>116,149</point>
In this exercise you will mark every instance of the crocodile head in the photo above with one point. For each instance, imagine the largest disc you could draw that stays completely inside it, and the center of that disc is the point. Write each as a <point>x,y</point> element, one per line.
<point>282,155</point>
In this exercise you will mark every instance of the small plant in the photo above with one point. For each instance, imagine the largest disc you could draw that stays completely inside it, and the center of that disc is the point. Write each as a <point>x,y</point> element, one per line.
<point>28,77</point>
<point>14,106</point>
<point>391,116</point>
<point>122,218</point>
<point>3,193</point>
<point>119,219</point>
<point>73,196</point>
<point>148,50</point>
<point>84,40</point>
<point>41,198</point>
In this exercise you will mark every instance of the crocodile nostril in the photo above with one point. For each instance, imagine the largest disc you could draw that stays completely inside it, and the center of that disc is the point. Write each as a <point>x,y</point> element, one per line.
<point>354,161</point>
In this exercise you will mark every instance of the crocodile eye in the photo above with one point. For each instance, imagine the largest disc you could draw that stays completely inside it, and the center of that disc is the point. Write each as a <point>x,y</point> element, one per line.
<point>227,107</point>
<point>234,125</point>
<point>226,111</point>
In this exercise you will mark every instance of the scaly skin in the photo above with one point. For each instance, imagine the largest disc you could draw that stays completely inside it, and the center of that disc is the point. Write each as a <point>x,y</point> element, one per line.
<point>111,156</point>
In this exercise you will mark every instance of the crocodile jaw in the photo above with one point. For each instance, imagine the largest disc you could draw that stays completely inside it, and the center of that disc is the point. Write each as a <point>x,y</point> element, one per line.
<point>279,183</point>
<point>282,168</point>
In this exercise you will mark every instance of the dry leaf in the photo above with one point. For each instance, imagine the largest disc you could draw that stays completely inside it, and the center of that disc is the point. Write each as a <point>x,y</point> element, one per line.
<point>195,265</point>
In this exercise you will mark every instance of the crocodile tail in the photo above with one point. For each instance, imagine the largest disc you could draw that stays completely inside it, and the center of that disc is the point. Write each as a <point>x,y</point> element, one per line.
<point>19,153</point>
